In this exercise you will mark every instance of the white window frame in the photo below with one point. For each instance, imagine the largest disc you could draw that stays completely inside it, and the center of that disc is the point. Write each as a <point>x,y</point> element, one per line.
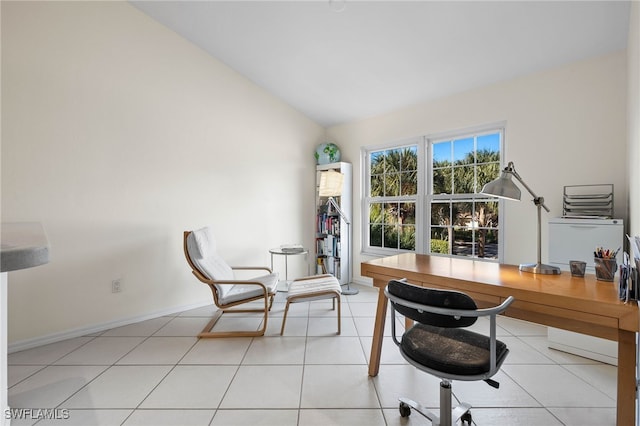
<point>367,199</point>
<point>424,197</point>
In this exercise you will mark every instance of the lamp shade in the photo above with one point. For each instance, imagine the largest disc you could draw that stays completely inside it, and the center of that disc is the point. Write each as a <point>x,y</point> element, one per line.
<point>331,183</point>
<point>503,187</point>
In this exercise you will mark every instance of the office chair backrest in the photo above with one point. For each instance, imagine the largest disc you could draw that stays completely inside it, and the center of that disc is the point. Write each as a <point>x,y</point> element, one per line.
<point>448,299</point>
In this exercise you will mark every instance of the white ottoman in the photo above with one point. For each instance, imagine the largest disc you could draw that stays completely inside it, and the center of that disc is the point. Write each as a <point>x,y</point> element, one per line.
<point>315,287</point>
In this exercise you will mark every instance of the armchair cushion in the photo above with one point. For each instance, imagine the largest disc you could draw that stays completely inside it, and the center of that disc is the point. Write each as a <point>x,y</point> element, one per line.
<point>204,243</point>
<point>233,293</point>
<point>201,246</point>
<point>202,251</point>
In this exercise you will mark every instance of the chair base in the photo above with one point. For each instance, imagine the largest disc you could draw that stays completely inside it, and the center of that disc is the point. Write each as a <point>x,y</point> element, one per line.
<point>448,416</point>
<point>208,334</point>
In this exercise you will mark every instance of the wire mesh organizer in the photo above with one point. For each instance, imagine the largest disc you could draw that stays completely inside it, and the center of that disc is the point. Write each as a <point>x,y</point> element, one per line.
<point>588,201</point>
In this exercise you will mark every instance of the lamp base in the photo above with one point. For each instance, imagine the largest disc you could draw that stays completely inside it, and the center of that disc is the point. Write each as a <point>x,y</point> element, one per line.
<point>540,268</point>
<point>349,291</point>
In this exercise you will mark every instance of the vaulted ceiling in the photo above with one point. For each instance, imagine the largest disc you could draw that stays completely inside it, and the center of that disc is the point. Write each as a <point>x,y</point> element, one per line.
<point>340,61</point>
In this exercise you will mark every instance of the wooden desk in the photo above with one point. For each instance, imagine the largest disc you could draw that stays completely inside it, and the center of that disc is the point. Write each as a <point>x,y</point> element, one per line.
<point>583,305</point>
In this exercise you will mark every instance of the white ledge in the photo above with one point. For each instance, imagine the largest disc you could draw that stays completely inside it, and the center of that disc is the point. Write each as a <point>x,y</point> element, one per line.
<point>23,245</point>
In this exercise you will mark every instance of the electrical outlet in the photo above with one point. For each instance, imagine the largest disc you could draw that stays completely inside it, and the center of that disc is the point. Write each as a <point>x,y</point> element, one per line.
<point>116,286</point>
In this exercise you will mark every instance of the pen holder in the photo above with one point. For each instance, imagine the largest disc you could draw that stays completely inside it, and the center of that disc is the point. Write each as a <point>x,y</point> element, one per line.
<point>577,268</point>
<point>605,269</point>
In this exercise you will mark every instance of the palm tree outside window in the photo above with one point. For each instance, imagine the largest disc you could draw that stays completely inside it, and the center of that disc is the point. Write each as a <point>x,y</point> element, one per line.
<point>444,174</point>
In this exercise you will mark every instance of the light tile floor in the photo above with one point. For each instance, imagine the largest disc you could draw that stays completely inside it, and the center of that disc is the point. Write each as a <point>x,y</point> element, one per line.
<point>157,372</point>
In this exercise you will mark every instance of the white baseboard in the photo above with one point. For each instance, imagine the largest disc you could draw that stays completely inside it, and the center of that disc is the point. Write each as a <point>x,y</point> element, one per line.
<point>582,345</point>
<point>22,345</point>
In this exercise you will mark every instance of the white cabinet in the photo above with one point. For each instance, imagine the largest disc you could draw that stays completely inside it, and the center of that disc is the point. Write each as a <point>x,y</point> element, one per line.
<point>576,239</point>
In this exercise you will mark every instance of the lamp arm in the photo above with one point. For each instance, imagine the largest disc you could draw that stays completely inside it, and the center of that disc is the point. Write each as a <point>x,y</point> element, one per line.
<point>538,201</point>
<point>338,209</point>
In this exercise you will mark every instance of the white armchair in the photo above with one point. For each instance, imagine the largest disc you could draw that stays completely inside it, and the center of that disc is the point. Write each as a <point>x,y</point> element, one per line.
<point>228,291</point>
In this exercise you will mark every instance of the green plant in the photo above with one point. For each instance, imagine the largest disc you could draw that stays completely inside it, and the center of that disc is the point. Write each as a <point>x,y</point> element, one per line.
<point>440,246</point>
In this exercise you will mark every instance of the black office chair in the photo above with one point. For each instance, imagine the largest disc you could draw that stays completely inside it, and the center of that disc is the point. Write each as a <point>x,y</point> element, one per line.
<point>438,344</point>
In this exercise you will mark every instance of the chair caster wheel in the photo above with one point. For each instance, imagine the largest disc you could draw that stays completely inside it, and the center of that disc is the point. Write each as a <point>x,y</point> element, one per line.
<point>466,417</point>
<point>405,410</point>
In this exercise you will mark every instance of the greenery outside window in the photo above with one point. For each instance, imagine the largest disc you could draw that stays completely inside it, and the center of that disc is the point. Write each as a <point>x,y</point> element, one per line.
<point>393,190</point>
<point>444,176</point>
<point>462,221</point>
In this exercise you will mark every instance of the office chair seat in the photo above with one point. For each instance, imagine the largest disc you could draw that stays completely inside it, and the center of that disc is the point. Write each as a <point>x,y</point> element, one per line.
<point>451,351</point>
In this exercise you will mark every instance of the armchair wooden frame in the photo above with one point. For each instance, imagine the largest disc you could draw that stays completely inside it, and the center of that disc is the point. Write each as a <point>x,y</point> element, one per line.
<point>224,308</point>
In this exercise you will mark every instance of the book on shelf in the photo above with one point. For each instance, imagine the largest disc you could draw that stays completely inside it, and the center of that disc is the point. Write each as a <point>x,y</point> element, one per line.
<point>328,223</point>
<point>330,242</point>
<point>328,265</point>
<point>320,266</point>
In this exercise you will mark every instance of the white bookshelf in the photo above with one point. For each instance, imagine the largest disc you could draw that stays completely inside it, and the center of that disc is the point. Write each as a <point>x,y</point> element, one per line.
<point>332,248</point>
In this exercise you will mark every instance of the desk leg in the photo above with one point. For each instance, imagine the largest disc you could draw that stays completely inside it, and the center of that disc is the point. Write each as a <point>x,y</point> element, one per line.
<point>378,329</point>
<point>626,378</point>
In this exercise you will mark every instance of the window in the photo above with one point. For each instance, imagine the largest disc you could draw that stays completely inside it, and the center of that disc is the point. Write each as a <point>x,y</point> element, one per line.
<point>393,183</point>
<point>444,174</point>
<point>462,221</point>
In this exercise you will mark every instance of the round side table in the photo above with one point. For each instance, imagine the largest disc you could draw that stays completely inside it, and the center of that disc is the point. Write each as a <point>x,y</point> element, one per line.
<point>286,253</point>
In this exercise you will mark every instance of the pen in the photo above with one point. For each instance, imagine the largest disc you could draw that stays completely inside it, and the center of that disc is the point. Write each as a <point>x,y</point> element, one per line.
<point>605,254</point>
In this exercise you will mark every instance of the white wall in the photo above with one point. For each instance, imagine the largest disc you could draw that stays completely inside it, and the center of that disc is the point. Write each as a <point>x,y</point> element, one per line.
<point>118,135</point>
<point>565,126</point>
<point>633,59</point>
